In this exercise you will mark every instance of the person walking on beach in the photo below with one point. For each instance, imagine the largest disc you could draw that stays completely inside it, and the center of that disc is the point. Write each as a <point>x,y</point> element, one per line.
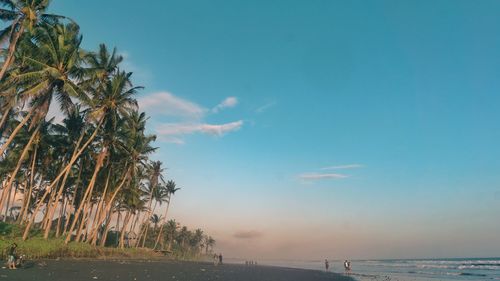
<point>346,267</point>
<point>11,262</point>
<point>216,259</point>
<point>220,258</point>
<point>327,265</point>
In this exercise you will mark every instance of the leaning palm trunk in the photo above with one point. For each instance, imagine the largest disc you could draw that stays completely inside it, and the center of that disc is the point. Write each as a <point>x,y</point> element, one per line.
<point>108,210</point>
<point>16,130</point>
<point>12,47</point>
<point>87,212</point>
<point>132,227</point>
<point>145,220</point>
<point>61,215</point>
<point>54,182</point>
<point>52,209</point>
<point>88,193</point>
<point>5,116</point>
<point>163,223</point>
<point>9,195</point>
<point>18,166</point>
<point>124,228</point>
<point>66,224</point>
<point>106,229</point>
<point>98,214</point>
<point>27,197</point>
<point>49,211</point>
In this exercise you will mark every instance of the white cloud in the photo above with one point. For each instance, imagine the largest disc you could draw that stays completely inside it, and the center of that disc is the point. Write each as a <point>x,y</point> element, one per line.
<point>165,103</point>
<point>340,167</point>
<point>171,131</point>
<point>321,176</point>
<point>226,103</point>
<point>181,117</point>
<point>265,107</point>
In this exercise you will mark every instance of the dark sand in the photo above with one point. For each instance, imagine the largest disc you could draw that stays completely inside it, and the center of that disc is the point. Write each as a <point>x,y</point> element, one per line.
<point>83,270</point>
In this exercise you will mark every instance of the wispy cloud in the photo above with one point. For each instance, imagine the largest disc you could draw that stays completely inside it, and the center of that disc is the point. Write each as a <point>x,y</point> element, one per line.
<point>321,176</point>
<point>341,167</point>
<point>172,131</point>
<point>265,107</point>
<point>181,117</point>
<point>247,234</point>
<point>315,176</point>
<point>226,103</point>
<point>165,103</point>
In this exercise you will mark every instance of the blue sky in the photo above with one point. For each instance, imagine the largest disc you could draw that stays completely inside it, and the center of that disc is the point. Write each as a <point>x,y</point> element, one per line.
<point>320,128</point>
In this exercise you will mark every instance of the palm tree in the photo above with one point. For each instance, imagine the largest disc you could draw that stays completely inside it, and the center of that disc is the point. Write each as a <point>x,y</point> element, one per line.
<point>113,102</point>
<point>155,219</point>
<point>171,189</point>
<point>50,68</point>
<point>101,65</point>
<point>155,171</point>
<point>22,15</point>
<point>209,243</point>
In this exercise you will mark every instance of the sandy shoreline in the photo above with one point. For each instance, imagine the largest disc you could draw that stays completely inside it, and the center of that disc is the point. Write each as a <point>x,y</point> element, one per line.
<point>83,270</point>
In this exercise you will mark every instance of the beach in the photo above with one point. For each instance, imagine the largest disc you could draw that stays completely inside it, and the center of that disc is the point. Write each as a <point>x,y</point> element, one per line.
<point>84,270</point>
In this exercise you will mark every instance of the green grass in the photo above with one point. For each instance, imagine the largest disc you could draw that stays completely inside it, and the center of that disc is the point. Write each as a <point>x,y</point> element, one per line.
<point>37,247</point>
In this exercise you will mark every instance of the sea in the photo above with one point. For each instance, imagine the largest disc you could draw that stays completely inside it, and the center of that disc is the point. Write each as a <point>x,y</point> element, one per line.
<point>455,269</point>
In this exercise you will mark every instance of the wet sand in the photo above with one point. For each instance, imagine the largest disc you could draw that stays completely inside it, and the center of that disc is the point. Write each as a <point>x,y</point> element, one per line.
<point>85,270</point>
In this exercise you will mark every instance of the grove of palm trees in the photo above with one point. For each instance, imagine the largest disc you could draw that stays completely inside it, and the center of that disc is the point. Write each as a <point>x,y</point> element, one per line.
<point>87,180</point>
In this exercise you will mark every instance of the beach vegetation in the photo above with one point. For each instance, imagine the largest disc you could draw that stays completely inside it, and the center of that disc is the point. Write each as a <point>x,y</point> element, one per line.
<point>82,179</point>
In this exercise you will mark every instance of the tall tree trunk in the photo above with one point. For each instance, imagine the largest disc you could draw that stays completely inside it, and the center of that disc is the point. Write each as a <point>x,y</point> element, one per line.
<point>68,166</point>
<point>87,212</point>
<point>72,204</point>
<point>61,215</point>
<point>145,222</point>
<point>105,231</point>
<point>16,130</point>
<point>12,49</point>
<point>19,162</point>
<point>27,197</point>
<point>5,116</point>
<point>54,202</point>
<point>88,192</point>
<point>9,195</point>
<point>109,206</point>
<point>98,214</point>
<point>124,228</point>
<point>163,223</point>
<point>61,190</point>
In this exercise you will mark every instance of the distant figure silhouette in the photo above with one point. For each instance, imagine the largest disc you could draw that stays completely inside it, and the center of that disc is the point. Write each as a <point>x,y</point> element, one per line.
<point>346,266</point>
<point>220,258</point>
<point>327,265</point>
<point>216,259</point>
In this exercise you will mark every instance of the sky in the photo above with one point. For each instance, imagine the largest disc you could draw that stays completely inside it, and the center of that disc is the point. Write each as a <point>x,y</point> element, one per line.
<point>319,129</point>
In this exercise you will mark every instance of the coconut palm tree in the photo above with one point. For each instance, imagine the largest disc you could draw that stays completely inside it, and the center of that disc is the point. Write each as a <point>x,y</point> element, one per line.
<point>209,244</point>
<point>155,220</point>
<point>170,190</point>
<point>113,102</point>
<point>50,67</point>
<point>22,15</point>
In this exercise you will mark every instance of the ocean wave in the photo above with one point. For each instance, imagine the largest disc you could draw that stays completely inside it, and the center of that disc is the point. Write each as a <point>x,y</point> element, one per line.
<point>435,273</point>
<point>479,267</point>
<point>478,264</point>
<point>472,274</point>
